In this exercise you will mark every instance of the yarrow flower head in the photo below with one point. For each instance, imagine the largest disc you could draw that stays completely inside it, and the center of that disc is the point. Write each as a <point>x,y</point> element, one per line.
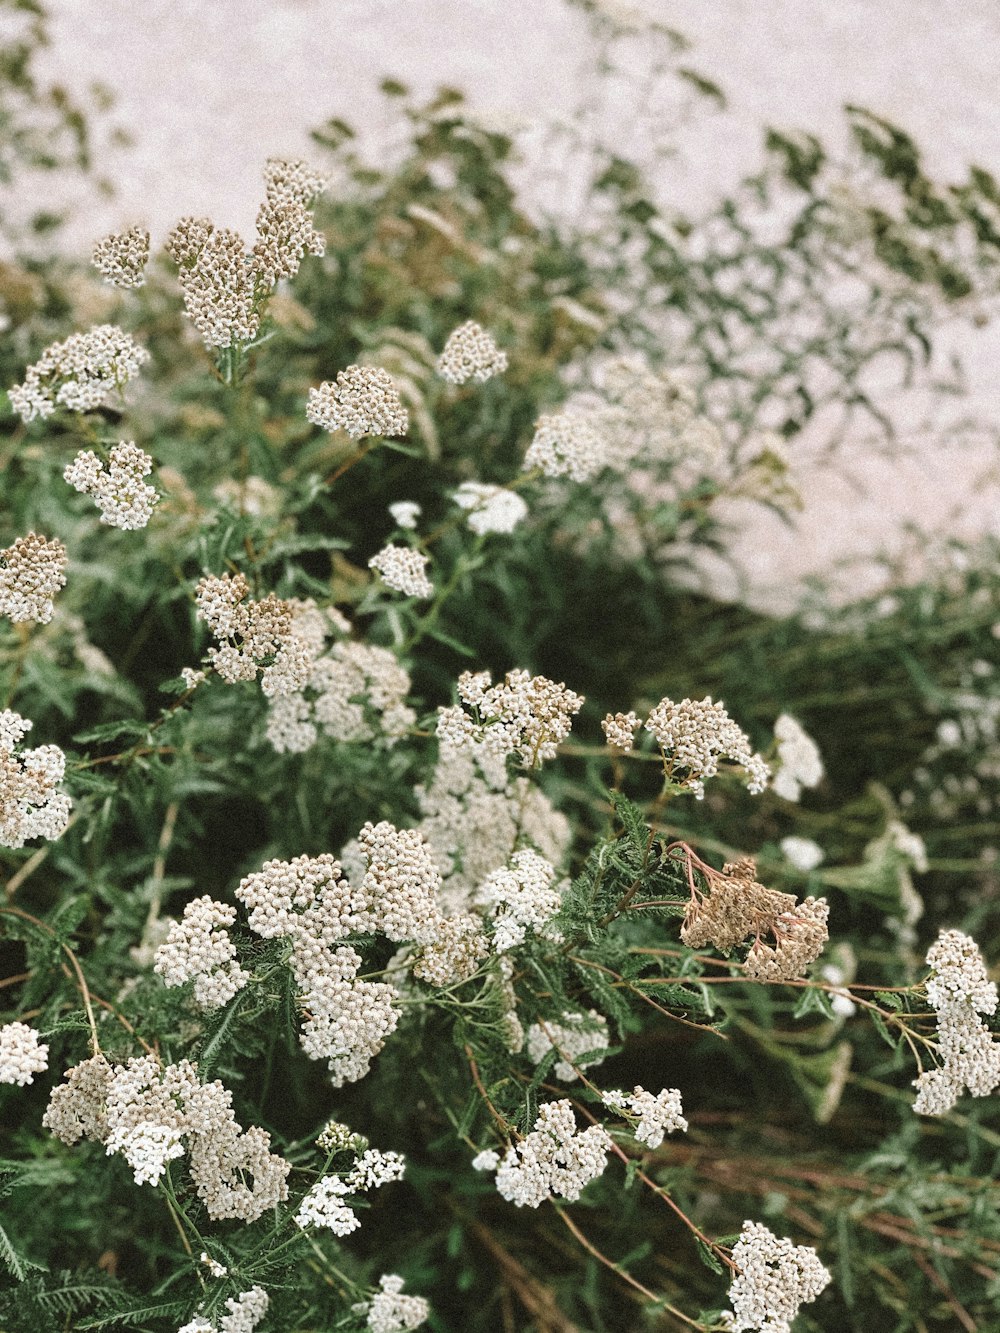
<point>657,1115</point>
<point>567,444</point>
<point>245,1313</point>
<point>799,762</point>
<point>694,735</point>
<point>803,853</point>
<point>389,1311</point>
<point>403,569</point>
<point>959,990</point>
<point>554,1160</point>
<point>521,897</point>
<point>775,1278</point>
<point>253,635</point>
<point>530,715</point>
<point>470,354</point>
<point>198,948</point>
<point>490,508</point>
<point>79,374</point>
<point>124,499</point>
<point>31,802</point>
<point>619,731</point>
<point>405,513</point>
<point>32,570</point>
<point>572,1037</point>
<point>363,401</point>
<point>121,258</point>
<point>22,1055</point>
<point>285,230</point>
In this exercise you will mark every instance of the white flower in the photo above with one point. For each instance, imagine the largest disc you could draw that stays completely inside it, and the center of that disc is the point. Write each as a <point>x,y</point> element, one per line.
<point>775,1278</point>
<point>22,1055</point>
<point>522,896</point>
<point>658,1115</point>
<point>405,513</point>
<point>799,759</point>
<point>470,353</point>
<point>567,444</point>
<point>389,1311</point>
<point>491,508</point>
<point>554,1160</point>
<point>573,1035</point>
<point>363,401</point>
<point>803,853</point>
<point>124,499</point>
<point>403,569</point>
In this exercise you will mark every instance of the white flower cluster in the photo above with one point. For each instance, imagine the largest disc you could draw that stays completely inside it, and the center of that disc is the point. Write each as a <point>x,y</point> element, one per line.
<point>650,418</point>
<point>554,1160</point>
<point>225,288</point>
<point>22,1055</point>
<point>405,513</point>
<point>490,508</point>
<point>31,804</point>
<point>324,1205</point>
<point>775,1278</point>
<point>803,853</point>
<point>526,714</point>
<point>799,762</point>
<point>619,730</point>
<point>470,354</point>
<point>403,569</point>
<point>959,990</point>
<point>308,901</point>
<point>198,948</point>
<point>254,635</point>
<point>254,496</point>
<point>389,1311</point>
<point>80,373</point>
<point>121,258</point>
<point>245,1313</point>
<point>694,735</point>
<point>573,1036</point>
<point>473,817</point>
<point>657,1115</point>
<point>148,1113</point>
<point>355,692</point>
<point>567,444</point>
<point>522,896</point>
<point>363,401</point>
<point>124,499</point>
<point>32,570</point>
<point>401,882</point>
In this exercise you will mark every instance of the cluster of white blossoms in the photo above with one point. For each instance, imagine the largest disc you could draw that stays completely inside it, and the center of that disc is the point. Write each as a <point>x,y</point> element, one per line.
<point>32,570</point>
<point>774,1279</point>
<point>959,990</point>
<point>390,1311</point>
<point>79,374</point>
<point>121,258</point>
<point>22,1054</point>
<point>151,1114</point>
<point>571,1038</point>
<point>324,1205</point>
<point>254,496</point>
<point>473,817</point>
<point>245,1313</point>
<point>694,735</point>
<point>31,802</point>
<point>124,499</point>
<point>803,853</point>
<point>656,1115</point>
<point>620,729</point>
<point>224,287</point>
<point>198,948</point>
<point>525,714</point>
<point>470,354</point>
<point>401,882</point>
<point>650,417</point>
<point>799,761</point>
<point>567,444</point>
<point>354,692</point>
<point>308,901</point>
<point>490,508</point>
<point>554,1161</point>
<point>403,569</point>
<point>363,401</point>
<point>253,635</point>
<point>521,896</point>
<point>405,513</point>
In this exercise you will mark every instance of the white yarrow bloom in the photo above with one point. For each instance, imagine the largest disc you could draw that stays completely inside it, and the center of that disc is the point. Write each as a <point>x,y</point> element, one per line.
<point>363,401</point>
<point>403,569</point>
<point>775,1278</point>
<point>80,373</point>
<point>566,444</point>
<point>554,1160</point>
<point>522,896</point>
<point>147,1148</point>
<point>324,1206</point>
<point>694,735</point>
<point>118,489</point>
<point>490,508</point>
<point>959,990</point>
<point>22,1055</point>
<point>405,513</point>
<point>389,1311</point>
<point>803,853</point>
<point>31,802</point>
<point>657,1115</point>
<point>571,1037</point>
<point>799,762</point>
<point>470,354</point>
<point>32,571</point>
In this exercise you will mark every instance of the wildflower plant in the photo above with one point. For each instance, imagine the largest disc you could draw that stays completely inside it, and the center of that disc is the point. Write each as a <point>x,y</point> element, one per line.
<point>323,843</point>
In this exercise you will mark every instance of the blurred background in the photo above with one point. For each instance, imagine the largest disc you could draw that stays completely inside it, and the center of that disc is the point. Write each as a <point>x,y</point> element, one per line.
<point>189,98</point>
